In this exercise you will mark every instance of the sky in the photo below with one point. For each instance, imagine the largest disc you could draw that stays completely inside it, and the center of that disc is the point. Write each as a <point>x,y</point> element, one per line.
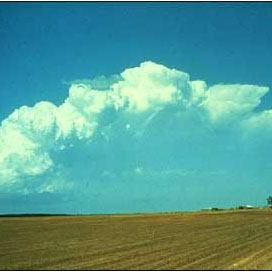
<point>134,107</point>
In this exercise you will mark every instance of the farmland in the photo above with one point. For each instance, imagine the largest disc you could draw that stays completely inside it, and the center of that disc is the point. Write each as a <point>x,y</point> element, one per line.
<point>184,241</point>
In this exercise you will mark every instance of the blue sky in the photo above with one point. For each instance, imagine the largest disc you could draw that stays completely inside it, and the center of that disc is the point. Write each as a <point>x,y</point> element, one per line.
<point>151,140</point>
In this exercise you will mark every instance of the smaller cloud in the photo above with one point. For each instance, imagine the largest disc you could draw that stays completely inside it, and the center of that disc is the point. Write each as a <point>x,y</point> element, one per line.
<point>101,83</point>
<point>139,170</point>
<point>258,126</point>
<point>232,102</point>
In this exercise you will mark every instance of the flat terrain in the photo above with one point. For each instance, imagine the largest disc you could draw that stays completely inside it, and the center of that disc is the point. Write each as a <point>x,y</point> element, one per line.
<point>213,240</point>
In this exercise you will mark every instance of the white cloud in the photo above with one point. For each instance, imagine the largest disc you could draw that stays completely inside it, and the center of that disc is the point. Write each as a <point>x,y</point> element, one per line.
<point>151,87</point>
<point>33,138</point>
<point>258,125</point>
<point>30,134</point>
<point>199,90</point>
<point>231,102</point>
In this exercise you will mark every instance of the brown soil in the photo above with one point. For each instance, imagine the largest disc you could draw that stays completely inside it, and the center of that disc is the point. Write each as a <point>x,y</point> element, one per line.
<point>189,241</point>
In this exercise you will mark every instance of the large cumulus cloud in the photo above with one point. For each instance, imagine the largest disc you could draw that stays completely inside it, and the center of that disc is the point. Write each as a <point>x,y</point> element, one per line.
<point>145,106</point>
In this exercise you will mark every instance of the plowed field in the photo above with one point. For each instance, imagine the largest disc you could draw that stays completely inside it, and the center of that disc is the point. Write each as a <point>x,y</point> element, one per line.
<point>213,240</point>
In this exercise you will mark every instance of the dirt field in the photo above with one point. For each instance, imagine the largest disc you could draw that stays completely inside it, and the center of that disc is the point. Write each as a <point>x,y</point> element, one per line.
<point>216,240</point>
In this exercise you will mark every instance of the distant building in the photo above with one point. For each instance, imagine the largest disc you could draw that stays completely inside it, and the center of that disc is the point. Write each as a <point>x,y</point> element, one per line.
<point>245,207</point>
<point>206,209</point>
<point>211,209</point>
